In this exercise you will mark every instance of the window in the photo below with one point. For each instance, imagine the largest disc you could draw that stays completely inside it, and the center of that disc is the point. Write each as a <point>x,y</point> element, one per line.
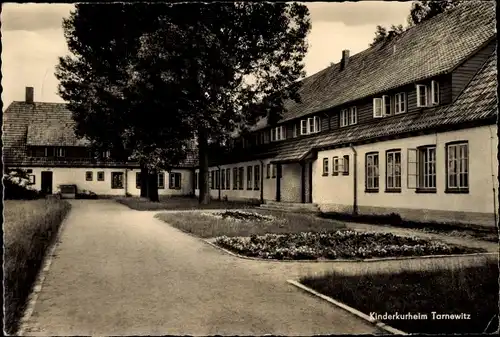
<point>325,166</point>
<point>217,179</point>
<point>386,105</point>
<point>457,177</point>
<point>377,107</point>
<point>223,179</point>
<point>348,116</point>
<point>235,178</point>
<point>278,133</point>
<point>31,179</point>
<point>249,177</point>
<point>393,170</point>
<point>310,125</point>
<point>256,177</point>
<point>428,95</point>
<point>346,165</point>
<point>337,166</point>
<point>228,179</point>
<point>372,174</point>
<point>196,180</point>
<point>273,170</point>
<point>422,168</point>
<point>106,154</point>
<point>60,152</point>
<point>116,180</point>
<point>241,174</point>
<point>89,176</point>
<point>175,181</point>
<point>400,103</point>
<point>212,180</point>
<point>138,180</point>
<point>295,130</point>
<point>268,171</point>
<point>161,180</point>
<point>100,176</point>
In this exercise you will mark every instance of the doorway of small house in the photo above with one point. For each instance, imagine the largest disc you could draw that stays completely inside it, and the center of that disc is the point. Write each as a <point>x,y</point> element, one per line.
<point>46,182</point>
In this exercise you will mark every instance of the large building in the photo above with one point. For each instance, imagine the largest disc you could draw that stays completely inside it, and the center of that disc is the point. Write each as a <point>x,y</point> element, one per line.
<point>407,126</point>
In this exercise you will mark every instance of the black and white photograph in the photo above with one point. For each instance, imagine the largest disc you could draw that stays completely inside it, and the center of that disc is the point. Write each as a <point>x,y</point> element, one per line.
<point>250,168</point>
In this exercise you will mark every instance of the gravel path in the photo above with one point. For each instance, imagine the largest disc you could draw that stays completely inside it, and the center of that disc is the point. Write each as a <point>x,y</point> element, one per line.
<point>118,271</point>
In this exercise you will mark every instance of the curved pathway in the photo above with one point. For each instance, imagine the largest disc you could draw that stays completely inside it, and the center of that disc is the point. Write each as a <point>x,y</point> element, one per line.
<point>118,271</point>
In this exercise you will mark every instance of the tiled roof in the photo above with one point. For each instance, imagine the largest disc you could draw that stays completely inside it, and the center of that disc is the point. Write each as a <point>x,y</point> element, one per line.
<point>428,49</point>
<point>48,124</point>
<point>477,102</point>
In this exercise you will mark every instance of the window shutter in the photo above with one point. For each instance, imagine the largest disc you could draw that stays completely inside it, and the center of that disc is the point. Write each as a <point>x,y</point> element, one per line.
<point>386,105</point>
<point>435,92</point>
<point>421,95</point>
<point>412,168</point>
<point>377,107</point>
<point>303,127</point>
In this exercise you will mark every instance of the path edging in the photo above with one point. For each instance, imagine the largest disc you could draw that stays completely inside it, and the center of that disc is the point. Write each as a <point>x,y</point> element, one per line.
<point>37,286</point>
<point>378,324</point>
<point>401,258</point>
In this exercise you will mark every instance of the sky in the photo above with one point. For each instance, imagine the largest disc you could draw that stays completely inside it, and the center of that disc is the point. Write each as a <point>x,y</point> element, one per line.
<point>33,39</point>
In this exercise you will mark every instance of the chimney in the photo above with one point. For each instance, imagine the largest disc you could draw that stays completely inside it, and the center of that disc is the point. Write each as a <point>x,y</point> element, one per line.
<point>345,59</point>
<point>30,95</point>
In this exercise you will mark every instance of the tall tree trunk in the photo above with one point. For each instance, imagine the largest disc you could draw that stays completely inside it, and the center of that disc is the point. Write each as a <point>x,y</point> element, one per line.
<point>204,197</point>
<point>143,177</point>
<point>153,186</point>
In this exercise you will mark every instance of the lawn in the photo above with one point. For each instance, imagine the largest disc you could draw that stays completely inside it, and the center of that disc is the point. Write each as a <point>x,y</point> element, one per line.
<point>29,228</point>
<point>210,226</point>
<point>181,203</point>
<point>471,292</point>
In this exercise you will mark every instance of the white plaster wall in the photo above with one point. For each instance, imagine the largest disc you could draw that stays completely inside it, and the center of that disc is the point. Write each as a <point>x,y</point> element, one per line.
<point>76,176</point>
<point>483,168</point>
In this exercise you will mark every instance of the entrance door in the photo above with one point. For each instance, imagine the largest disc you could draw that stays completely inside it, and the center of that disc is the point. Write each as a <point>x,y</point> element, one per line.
<point>46,182</point>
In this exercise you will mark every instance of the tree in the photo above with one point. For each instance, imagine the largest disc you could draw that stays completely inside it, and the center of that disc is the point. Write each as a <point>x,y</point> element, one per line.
<point>233,62</point>
<point>383,35</point>
<point>100,81</point>
<point>423,10</point>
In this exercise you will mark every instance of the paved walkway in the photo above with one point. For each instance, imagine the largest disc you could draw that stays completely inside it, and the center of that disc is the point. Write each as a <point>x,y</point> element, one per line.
<point>122,272</point>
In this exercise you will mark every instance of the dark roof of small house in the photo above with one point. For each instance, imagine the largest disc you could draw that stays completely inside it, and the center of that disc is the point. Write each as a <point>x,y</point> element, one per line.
<point>476,103</point>
<point>431,48</point>
<point>48,124</point>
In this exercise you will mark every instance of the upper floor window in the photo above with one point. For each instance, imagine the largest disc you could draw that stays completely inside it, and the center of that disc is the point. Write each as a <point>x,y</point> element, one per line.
<point>278,133</point>
<point>399,103</point>
<point>60,152</point>
<point>106,154</point>
<point>389,105</point>
<point>310,125</point>
<point>348,116</point>
<point>427,95</point>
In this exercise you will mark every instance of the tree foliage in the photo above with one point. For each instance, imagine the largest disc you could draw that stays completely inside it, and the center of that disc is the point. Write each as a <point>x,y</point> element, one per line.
<point>421,10</point>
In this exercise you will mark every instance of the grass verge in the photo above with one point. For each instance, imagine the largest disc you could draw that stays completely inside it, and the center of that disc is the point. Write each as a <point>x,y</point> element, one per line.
<point>451,229</point>
<point>182,203</point>
<point>470,292</point>
<point>29,229</point>
<point>208,226</point>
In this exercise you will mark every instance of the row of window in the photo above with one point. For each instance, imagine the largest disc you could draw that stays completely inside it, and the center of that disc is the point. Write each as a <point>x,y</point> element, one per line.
<point>60,152</point>
<point>339,165</point>
<point>421,169</point>
<point>117,182</point>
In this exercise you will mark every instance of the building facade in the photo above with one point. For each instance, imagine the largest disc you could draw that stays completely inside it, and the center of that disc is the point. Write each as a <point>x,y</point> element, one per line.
<point>407,126</point>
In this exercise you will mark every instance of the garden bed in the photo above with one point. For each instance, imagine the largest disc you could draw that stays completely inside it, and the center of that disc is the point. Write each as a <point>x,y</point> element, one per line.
<point>231,223</point>
<point>340,244</point>
<point>178,203</point>
<point>469,292</point>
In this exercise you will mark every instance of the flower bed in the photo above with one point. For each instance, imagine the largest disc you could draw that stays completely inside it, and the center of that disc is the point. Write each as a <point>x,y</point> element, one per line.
<point>340,244</point>
<point>241,216</point>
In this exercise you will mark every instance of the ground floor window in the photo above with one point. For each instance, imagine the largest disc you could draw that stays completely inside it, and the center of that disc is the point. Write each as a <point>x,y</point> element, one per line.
<point>371,172</point>
<point>268,171</point>
<point>393,170</point>
<point>217,179</point>
<point>256,177</point>
<point>273,170</point>
<point>249,177</point>
<point>223,179</point>
<point>235,178</point>
<point>161,180</point>
<point>457,175</point>
<point>212,180</point>
<point>31,179</point>
<point>196,180</point>
<point>116,180</point>
<point>241,173</point>
<point>100,176</point>
<point>345,165</point>
<point>175,181</point>
<point>138,180</point>
<point>228,179</point>
<point>325,166</point>
<point>89,175</point>
<point>422,168</point>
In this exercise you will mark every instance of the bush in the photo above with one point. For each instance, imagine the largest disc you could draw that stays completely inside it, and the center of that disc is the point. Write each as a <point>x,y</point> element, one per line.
<point>29,227</point>
<point>17,186</point>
